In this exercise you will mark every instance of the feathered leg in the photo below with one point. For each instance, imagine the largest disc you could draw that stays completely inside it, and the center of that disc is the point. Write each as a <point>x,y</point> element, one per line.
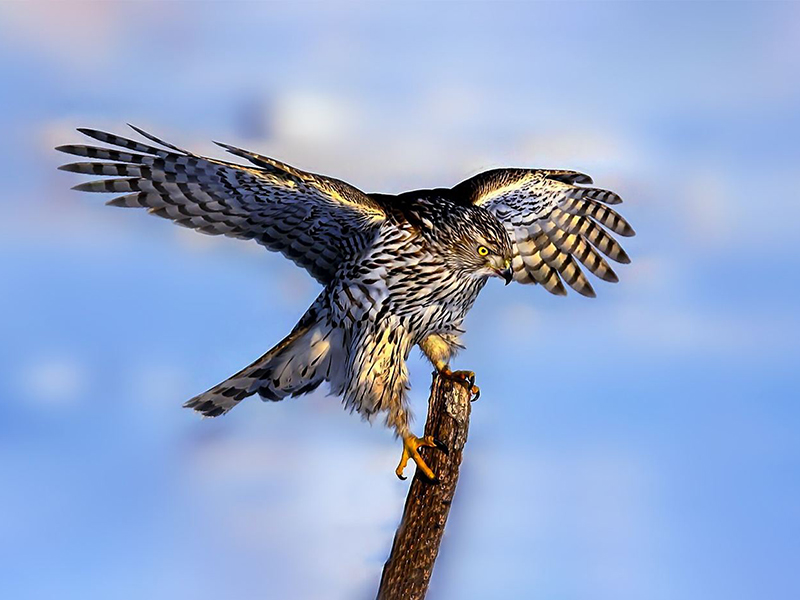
<point>440,348</point>
<point>377,381</point>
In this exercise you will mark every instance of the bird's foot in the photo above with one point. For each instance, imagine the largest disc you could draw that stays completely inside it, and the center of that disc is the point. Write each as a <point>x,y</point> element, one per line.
<point>411,445</point>
<point>465,377</point>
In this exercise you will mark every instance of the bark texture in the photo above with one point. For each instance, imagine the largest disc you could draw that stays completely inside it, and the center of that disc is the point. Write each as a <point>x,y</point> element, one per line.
<point>407,573</point>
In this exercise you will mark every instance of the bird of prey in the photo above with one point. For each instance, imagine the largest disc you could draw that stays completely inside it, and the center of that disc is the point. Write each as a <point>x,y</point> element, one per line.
<point>397,271</point>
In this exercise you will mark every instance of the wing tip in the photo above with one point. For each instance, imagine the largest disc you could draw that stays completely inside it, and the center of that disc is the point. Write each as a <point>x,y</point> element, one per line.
<point>236,151</point>
<point>86,186</point>
<point>91,132</point>
<point>610,276</point>
<point>587,292</point>
<point>118,202</point>
<point>623,258</point>
<point>582,178</point>
<point>231,149</point>
<point>138,130</point>
<point>206,409</point>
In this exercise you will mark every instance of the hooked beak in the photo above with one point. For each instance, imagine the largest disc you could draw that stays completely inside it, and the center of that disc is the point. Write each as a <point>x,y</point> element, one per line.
<point>507,274</point>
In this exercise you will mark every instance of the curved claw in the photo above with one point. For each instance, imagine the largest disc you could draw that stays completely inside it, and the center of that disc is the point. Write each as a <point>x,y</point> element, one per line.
<point>411,445</point>
<point>465,377</point>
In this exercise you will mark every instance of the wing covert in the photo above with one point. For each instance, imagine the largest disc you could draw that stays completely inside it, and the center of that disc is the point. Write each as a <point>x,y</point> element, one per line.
<point>311,219</point>
<point>556,225</point>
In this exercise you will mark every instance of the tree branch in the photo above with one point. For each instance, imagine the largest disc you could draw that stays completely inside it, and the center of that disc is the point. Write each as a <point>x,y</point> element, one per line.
<point>407,572</point>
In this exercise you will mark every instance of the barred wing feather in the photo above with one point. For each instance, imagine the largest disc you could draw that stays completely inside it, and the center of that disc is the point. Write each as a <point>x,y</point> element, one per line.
<point>556,225</point>
<point>313,220</point>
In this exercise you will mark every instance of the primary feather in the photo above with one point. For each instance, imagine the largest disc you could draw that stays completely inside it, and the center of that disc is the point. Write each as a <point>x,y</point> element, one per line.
<point>554,224</point>
<point>313,220</point>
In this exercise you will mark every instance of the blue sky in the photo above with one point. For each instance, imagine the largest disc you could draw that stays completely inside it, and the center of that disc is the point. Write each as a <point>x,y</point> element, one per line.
<point>640,445</point>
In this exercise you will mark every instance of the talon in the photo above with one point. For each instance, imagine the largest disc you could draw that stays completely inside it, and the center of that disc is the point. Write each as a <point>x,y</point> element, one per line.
<point>411,445</point>
<point>440,445</point>
<point>460,376</point>
<point>465,377</point>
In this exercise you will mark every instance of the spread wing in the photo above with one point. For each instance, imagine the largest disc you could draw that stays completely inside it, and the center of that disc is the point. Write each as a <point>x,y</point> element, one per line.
<point>313,220</point>
<point>555,224</point>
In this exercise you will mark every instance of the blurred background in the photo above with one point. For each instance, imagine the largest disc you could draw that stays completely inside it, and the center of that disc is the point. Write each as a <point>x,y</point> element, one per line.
<point>668,468</point>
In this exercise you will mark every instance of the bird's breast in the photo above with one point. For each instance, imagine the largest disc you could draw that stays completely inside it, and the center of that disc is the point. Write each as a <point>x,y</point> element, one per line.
<point>399,277</point>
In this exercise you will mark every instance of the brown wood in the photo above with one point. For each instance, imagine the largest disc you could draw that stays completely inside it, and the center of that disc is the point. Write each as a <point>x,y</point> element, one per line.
<point>407,573</point>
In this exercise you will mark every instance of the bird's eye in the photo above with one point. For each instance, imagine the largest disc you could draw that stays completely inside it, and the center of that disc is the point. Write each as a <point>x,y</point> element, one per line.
<point>483,251</point>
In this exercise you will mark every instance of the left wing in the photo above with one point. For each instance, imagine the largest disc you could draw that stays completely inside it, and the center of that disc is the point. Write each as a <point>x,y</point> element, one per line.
<point>554,224</point>
<point>313,220</point>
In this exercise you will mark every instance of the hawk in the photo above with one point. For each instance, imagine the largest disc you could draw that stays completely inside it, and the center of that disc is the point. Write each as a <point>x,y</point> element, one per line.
<point>397,271</point>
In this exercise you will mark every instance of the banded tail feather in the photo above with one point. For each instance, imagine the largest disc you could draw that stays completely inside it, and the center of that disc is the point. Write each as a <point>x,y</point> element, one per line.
<point>297,365</point>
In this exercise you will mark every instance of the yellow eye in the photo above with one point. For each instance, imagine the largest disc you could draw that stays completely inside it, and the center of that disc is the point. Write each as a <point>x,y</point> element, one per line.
<point>483,251</point>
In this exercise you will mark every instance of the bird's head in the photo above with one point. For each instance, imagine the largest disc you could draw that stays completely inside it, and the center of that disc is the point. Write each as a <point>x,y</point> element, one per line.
<point>482,246</point>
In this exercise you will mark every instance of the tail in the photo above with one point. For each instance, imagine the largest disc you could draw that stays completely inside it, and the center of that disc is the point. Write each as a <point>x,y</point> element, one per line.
<point>297,365</point>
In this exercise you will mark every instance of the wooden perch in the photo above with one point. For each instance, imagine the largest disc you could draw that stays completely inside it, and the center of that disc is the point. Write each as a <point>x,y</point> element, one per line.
<point>407,572</point>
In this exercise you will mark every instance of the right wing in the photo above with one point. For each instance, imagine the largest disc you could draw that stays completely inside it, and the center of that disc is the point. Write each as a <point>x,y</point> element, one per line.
<point>313,220</point>
<point>554,223</point>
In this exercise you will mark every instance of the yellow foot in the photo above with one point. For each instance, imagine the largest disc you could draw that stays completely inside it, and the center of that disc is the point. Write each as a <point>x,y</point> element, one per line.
<point>411,444</point>
<point>465,377</point>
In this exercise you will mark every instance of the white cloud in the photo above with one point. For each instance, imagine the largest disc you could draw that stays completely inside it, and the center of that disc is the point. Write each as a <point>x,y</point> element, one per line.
<point>685,328</point>
<point>54,380</point>
<point>69,32</point>
<point>710,217</point>
<point>312,117</point>
<point>591,504</point>
<point>582,146</point>
<point>339,532</point>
